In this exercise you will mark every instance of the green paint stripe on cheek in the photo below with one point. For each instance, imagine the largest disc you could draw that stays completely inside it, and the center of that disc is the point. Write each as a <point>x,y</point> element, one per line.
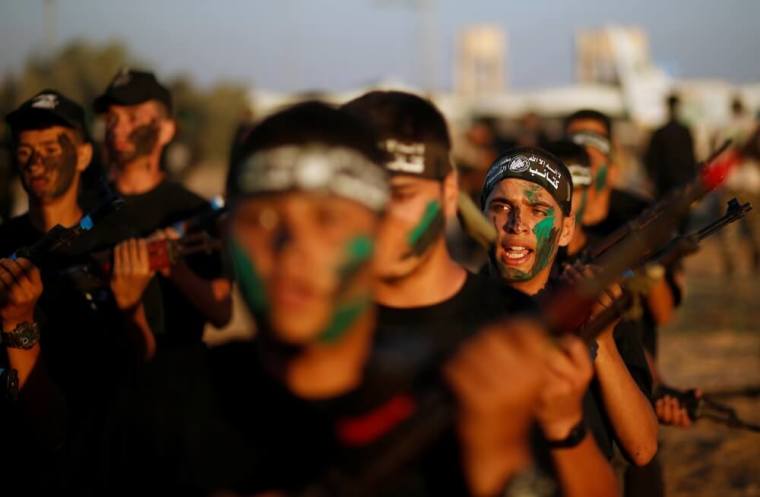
<point>343,318</point>
<point>546,236</point>
<point>432,211</point>
<point>251,285</point>
<point>601,177</point>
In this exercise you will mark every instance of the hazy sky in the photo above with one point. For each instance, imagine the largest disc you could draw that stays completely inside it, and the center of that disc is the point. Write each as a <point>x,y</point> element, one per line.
<point>339,44</point>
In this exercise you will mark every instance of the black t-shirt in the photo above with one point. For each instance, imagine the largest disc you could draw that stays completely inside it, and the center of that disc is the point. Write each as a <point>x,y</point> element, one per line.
<point>206,420</point>
<point>212,419</point>
<point>166,204</point>
<point>411,343</point>
<point>85,345</point>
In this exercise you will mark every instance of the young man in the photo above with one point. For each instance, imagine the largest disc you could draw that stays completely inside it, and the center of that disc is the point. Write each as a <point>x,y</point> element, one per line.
<point>623,383</point>
<point>90,341</point>
<point>426,301</point>
<point>527,196</point>
<point>139,125</point>
<point>307,192</point>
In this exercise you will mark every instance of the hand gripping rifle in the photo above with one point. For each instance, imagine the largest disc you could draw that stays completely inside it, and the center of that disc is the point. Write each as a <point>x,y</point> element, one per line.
<point>706,408</point>
<point>162,253</point>
<point>676,249</point>
<point>433,411</point>
<point>59,238</point>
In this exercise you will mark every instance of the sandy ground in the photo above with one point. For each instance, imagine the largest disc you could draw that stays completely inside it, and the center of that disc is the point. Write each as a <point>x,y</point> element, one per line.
<point>714,343</point>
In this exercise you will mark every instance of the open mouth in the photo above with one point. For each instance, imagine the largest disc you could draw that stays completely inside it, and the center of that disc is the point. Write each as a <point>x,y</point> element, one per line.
<point>515,255</point>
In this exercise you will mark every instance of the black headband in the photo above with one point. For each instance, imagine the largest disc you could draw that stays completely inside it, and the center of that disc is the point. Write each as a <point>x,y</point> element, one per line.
<point>534,165</point>
<point>424,159</point>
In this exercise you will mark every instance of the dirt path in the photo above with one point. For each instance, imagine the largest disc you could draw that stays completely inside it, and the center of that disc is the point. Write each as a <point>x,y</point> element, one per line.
<point>714,343</point>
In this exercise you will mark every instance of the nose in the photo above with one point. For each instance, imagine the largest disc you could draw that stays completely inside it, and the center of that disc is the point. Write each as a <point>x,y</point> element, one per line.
<point>515,222</point>
<point>282,238</point>
<point>35,159</point>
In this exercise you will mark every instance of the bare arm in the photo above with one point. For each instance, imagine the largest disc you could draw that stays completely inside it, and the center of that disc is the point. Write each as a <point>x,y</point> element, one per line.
<point>583,471</point>
<point>629,410</point>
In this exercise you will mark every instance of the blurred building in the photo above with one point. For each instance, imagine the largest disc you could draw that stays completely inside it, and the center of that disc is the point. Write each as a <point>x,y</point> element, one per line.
<point>620,56</point>
<point>480,66</point>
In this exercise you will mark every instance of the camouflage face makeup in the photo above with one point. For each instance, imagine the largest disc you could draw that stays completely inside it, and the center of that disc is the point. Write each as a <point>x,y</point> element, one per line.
<point>600,181</point>
<point>251,284</point>
<point>349,308</point>
<point>143,139</point>
<point>427,231</point>
<point>61,166</point>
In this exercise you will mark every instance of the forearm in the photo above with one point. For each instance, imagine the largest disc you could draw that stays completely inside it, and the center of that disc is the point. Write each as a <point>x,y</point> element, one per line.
<point>629,410</point>
<point>661,302</point>
<point>211,297</point>
<point>40,401</point>
<point>23,361</point>
<point>141,332</point>
<point>583,471</point>
<point>488,466</point>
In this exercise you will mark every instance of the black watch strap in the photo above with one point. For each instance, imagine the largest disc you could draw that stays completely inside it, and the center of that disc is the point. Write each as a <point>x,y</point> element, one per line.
<point>576,436</point>
<point>23,336</point>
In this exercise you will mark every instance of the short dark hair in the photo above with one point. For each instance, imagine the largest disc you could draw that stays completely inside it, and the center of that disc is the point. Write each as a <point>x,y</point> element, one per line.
<point>305,123</point>
<point>401,115</point>
<point>590,114</point>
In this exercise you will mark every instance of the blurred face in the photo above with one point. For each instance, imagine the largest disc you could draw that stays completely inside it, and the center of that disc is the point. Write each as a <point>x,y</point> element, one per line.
<point>302,262</point>
<point>600,162</point>
<point>49,160</point>
<point>530,227</point>
<point>414,222</point>
<point>579,202</point>
<point>135,131</point>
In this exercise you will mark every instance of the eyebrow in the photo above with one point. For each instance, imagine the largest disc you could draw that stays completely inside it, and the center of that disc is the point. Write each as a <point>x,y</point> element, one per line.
<point>52,141</point>
<point>540,203</point>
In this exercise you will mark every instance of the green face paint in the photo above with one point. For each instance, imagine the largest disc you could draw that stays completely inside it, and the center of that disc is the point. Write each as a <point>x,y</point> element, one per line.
<point>344,316</point>
<point>601,177</point>
<point>582,208</point>
<point>427,230</point>
<point>251,284</point>
<point>546,242</point>
<point>531,194</point>
<point>358,252</point>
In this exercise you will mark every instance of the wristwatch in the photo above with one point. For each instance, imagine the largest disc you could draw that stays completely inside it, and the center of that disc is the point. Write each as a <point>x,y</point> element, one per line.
<point>23,336</point>
<point>576,436</point>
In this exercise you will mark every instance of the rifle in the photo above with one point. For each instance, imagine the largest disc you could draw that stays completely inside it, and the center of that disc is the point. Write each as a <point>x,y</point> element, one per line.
<point>564,310</point>
<point>59,238</point>
<point>162,253</point>
<point>678,248</point>
<point>706,408</point>
<point>712,173</point>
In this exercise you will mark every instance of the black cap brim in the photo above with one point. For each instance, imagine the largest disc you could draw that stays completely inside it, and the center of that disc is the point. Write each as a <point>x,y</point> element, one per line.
<point>32,118</point>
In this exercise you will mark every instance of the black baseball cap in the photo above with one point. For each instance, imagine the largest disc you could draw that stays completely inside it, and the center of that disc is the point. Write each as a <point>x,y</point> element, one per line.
<point>132,87</point>
<point>47,108</point>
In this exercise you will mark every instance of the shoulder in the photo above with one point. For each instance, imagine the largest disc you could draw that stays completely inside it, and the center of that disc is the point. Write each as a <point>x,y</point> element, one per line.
<point>181,193</point>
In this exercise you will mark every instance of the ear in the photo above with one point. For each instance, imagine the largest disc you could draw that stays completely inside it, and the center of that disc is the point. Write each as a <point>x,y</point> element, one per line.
<point>84,156</point>
<point>450,194</point>
<point>568,229</point>
<point>167,129</point>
